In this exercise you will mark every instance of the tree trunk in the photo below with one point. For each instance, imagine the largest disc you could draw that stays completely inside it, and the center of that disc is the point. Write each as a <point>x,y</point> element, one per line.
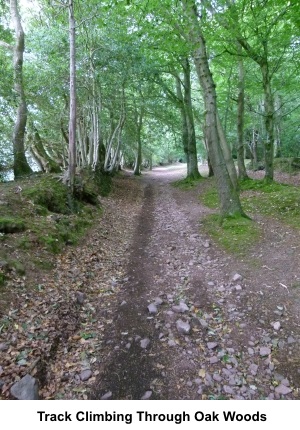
<point>269,122</point>
<point>46,162</point>
<point>240,121</point>
<point>184,125</point>
<point>21,166</point>
<point>229,200</point>
<point>227,153</point>
<point>72,120</point>
<point>138,163</point>
<point>193,171</point>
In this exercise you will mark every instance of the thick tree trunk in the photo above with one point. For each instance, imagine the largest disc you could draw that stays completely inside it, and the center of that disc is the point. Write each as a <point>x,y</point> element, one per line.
<point>227,153</point>
<point>21,166</point>
<point>240,122</point>
<point>72,120</point>
<point>229,200</point>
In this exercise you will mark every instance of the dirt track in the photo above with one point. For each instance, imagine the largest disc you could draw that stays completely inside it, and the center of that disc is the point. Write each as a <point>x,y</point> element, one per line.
<point>231,348</point>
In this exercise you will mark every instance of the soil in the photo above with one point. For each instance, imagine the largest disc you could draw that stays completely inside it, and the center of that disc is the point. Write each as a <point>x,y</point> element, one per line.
<point>220,326</point>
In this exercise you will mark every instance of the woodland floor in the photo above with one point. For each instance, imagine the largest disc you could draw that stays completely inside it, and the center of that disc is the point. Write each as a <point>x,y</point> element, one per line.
<point>149,247</point>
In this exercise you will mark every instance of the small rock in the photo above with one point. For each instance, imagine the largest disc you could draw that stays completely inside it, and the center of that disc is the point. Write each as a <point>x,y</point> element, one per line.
<point>212,345</point>
<point>253,369</point>
<point>128,345</point>
<point>3,347</point>
<point>264,350</point>
<point>172,343</point>
<point>236,277</point>
<point>85,375</point>
<point>80,297</point>
<point>228,390</point>
<point>217,377</point>
<point>282,389</point>
<point>158,301</point>
<point>250,351</point>
<point>106,396</point>
<point>181,308</point>
<point>291,339</point>
<point>213,360</point>
<point>123,303</point>
<point>25,389</point>
<point>206,244</point>
<point>147,395</point>
<point>203,323</point>
<point>183,327</point>
<point>276,325</point>
<point>152,308</point>
<point>285,382</point>
<point>238,287</point>
<point>145,343</point>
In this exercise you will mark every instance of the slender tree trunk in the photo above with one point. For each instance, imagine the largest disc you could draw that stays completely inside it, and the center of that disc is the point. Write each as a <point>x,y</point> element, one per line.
<point>269,122</point>
<point>72,120</point>
<point>188,107</point>
<point>21,166</point>
<point>137,167</point>
<point>37,148</point>
<point>184,125</point>
<point>240,121</point>
<point>228,196</point>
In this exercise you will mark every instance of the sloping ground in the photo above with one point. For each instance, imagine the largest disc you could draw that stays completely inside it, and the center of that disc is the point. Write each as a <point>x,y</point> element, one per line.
<point>218,326</point>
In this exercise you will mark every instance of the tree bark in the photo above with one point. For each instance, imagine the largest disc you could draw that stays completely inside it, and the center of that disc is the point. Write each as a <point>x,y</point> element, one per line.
<point>37,148</point>
<point>73,116</point>
<point>138,163</point>
<point>240,121</point>
<point>229,200</point>
<point>269,122</point>
<point>193,171</point>
<point>21,166</point>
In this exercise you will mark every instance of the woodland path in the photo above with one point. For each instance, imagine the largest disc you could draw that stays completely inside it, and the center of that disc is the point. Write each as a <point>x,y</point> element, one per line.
<point>219,327</point>
<point>219,340</point>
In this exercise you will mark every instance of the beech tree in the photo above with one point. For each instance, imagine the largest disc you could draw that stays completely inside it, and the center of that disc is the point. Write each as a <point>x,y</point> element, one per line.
<point>20,164</point>
<point>229,199</point>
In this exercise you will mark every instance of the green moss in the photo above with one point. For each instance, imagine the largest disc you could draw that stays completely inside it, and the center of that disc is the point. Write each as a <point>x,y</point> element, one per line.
<point>11,225</point>
<point>261,185</point>
<point>235,234</point>
<point>2,279</point>
<point>17,266</point>
<point>281,202</point>
<point>187,183</point>
<point>210,198</point>
<point>50,194</point>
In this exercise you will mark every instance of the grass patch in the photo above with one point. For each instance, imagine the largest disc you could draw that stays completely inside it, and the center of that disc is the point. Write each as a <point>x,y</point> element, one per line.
<point>235,234</point>
<point>11,225</point>
<point>276,200</point>
<point>187,183</point>
<point>273,199</point>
